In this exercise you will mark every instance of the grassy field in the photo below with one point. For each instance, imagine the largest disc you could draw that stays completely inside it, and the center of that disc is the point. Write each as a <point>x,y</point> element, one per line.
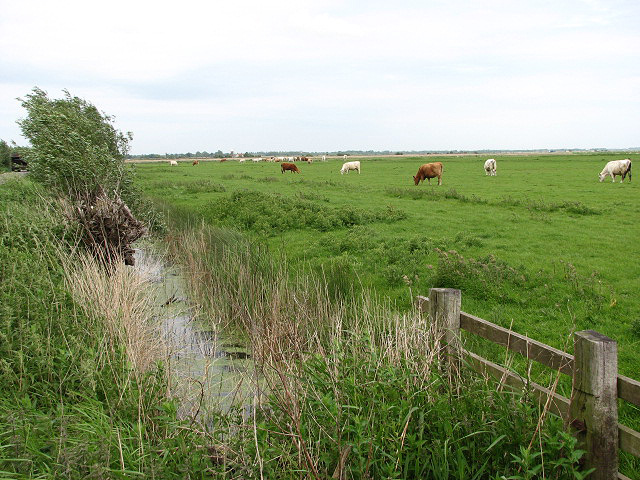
<point>542,247</point>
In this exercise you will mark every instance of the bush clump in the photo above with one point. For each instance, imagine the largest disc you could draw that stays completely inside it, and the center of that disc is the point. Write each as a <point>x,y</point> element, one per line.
<point>78,154</point>
<point>268,213</point>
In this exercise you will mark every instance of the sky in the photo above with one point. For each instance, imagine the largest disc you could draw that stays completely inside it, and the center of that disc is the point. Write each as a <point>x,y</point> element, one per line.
<point>328,75</point>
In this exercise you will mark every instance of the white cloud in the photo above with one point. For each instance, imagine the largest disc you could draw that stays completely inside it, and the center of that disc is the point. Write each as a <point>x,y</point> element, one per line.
<point>255,72</point>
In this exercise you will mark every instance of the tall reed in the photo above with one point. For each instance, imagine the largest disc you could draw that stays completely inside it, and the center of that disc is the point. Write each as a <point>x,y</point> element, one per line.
<point>118,297</point>
<point>355,387</point>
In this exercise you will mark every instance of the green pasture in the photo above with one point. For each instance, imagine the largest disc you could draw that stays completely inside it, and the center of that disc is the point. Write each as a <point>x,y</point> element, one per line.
<point>543,247</point>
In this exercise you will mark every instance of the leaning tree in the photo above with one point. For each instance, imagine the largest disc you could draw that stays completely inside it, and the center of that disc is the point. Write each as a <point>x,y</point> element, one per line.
<point>79,154</point>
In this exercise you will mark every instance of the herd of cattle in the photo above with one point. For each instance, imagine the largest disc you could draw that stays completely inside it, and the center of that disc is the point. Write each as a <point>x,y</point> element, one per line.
<point>428,171</point>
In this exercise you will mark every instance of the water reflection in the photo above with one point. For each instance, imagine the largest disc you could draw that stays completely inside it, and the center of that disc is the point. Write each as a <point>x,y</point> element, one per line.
<point>208,369</point>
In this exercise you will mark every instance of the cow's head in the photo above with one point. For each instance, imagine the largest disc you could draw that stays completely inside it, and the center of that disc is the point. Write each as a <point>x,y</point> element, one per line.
<point>416,180</point>
<point>602,176</point>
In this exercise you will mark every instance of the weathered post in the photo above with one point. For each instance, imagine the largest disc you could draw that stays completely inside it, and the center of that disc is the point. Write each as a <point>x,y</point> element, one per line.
<point>593,412</point>
<point>444,310</point>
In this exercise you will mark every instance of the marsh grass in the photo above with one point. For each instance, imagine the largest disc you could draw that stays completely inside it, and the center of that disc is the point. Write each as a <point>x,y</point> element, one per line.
<point>82,390</point>
<point>119,298</point>
<point>269,213</point>
<point>355,389</point>
<point>573,207</point>
<point>554,231</point>
<point>189,187</point>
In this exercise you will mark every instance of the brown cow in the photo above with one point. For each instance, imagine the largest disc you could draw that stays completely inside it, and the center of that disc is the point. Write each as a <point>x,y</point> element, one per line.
<point>223,160</point>
<point>289,166</point>
<point>429,171</point>
<point>196,162</point>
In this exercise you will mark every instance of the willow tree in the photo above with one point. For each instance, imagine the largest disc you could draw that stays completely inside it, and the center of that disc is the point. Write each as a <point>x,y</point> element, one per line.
<point>78,153</point>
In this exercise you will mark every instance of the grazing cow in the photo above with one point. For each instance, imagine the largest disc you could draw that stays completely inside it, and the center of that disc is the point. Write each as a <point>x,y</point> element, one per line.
<point>307,159</point>
<point>429,171</point>
<point>350,166</point>
<point>616,167</point>
<point>223,160</point>
<point>196,162</point>
<point>289,166</point>
<point>173,163</point>
<point>256,160</point>
<point>490,167</point>
<point>242,160</point>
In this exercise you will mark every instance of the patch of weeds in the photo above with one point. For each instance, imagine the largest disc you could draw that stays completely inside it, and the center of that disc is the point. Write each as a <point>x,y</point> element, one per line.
<point>413,193</point>
<point>268,179</point>
<point>468,240</point>
<point>269,213</point>
<point>189,186</point>
<point>486,277</point>
<point>340,277</point>
<point>389,423</point>
<point>577,208</point>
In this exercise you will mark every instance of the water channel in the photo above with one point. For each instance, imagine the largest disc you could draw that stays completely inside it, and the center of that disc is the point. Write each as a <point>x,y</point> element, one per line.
<point>209,371</point>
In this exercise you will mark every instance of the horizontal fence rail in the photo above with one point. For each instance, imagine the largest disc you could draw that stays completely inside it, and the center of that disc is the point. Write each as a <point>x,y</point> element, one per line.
<point>628,389</point>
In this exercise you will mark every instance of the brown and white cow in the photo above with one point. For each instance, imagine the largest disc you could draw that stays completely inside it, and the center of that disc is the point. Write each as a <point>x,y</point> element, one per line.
<point>429,171</point>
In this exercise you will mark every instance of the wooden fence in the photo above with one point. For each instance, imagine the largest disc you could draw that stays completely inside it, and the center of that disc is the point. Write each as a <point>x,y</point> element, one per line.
<point>592,411</point>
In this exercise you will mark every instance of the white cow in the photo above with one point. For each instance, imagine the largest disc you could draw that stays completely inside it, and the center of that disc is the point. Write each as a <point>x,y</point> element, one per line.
<point>173,163</point>
<point>345,156</point>
<point>490,167</point>
<point>350,166</point>
<point>324,158</point>
<point>256,160</point>
<point>616,167</point>
<point>242,160</point>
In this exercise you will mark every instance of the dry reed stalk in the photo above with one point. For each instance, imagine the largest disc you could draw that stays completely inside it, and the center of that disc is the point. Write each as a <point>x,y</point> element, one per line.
<point>118,297</point>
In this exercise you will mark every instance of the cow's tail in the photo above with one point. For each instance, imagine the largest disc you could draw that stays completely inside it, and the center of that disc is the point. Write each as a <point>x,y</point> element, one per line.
<point>629,171</point>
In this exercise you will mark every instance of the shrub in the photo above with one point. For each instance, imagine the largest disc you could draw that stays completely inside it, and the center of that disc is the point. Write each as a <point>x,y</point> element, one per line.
<point>268,213</point>
<point>77,153</point>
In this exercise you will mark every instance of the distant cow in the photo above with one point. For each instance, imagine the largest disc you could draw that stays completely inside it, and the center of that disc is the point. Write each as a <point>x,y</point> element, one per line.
<point>223,160</point>
<point>429,171</point>
<point>173,163</point>
<point>346,167</point>
<point>324,158</point>
<point>289,166</point>
<point>616,167</point>
<point>196,162</point>
<point>345,156</point>
<point>490,167</point>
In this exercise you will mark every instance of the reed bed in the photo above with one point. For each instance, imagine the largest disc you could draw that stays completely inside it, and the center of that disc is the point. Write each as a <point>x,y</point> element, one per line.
<point>355,389</point>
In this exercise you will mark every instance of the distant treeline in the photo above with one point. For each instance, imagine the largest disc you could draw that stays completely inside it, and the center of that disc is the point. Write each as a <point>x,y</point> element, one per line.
<point>287,153</point>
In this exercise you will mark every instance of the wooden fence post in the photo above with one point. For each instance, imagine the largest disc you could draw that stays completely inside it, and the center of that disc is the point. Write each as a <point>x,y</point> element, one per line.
<point>444,310</point>
<point>593,412</point>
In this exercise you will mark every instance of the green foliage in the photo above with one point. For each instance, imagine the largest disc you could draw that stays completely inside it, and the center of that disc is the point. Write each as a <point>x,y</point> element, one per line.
<point>273,213</point>
<point>5,155</point>
<point>76,150</point>
<point>340,278</point>
<point>575,207</point>
<point>388,423</point>
<point>487,277</point>
<point>71,406</point>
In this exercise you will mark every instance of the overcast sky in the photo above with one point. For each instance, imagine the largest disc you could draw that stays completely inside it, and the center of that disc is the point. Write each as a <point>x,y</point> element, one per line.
<point>325,75</point>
